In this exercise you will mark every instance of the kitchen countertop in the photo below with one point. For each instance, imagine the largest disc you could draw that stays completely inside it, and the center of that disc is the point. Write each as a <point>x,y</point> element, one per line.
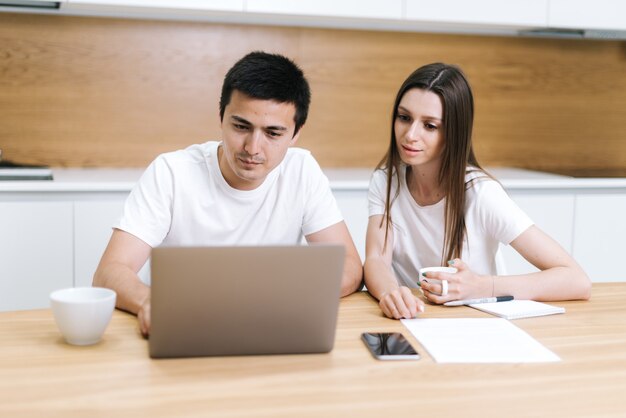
<point>123,179</point>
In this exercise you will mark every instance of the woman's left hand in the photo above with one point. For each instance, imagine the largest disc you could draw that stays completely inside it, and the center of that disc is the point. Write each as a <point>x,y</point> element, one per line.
<point>464,284</point>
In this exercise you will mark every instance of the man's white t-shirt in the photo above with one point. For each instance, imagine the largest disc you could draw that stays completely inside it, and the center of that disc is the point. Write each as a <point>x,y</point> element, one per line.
<point>491,218</point>
<point>182,199</point>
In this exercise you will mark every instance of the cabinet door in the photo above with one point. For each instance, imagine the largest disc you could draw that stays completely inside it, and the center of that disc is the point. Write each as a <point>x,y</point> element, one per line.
<point>353,206</point>
<point>93,223</point>
<point>373,9</point>
<point>35,252</point>
<point>600,231</point>
<point>492,12</point>
<point>550,211</point>
<point>218,5</point>
<point>588,14</point>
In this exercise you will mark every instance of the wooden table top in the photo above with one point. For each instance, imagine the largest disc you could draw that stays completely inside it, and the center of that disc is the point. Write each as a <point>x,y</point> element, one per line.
<point>40,375</point>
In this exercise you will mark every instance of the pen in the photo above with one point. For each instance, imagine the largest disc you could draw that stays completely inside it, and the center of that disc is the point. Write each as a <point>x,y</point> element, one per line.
<point>482,300</point>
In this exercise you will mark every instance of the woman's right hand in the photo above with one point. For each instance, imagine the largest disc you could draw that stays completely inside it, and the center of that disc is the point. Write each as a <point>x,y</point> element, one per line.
<point>400,303</point>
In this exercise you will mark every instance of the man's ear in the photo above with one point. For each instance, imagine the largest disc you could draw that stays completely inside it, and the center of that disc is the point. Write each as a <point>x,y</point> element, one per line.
<point>293,140</point>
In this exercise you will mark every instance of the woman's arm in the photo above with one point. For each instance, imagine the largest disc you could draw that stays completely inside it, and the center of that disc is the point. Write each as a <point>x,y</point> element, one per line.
<point>560,278</point>
<point>395,301</point>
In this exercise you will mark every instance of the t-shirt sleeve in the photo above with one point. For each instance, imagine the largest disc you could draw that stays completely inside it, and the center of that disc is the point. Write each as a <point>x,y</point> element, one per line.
<point>148,210</point>
<point>377,193</point>
<point>321,210</point>
<point>501,216</point>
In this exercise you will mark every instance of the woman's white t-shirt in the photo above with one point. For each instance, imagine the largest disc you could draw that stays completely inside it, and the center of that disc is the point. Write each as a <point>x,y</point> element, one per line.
<point>491,218</point>
<point>183,199</point>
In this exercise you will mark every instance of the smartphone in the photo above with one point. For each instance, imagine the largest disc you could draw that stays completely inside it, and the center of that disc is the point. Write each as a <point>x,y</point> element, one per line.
<point>389,346</point>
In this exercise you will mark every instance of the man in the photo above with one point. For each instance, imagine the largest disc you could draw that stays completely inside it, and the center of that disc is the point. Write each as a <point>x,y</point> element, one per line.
<point>249,189</point>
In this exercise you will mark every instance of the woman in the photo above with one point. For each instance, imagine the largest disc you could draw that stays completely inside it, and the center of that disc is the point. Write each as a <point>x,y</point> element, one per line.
<point>431,203</point>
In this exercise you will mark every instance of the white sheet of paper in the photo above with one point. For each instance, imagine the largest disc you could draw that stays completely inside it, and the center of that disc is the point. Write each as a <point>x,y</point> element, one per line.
<point>477,340</point>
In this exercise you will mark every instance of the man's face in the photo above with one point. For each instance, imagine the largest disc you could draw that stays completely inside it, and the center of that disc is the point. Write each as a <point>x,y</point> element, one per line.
<point>256,134</point>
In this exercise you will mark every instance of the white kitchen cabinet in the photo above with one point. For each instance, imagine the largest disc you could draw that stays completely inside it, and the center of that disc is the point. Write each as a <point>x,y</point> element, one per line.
<point>43,4</point>
<point>211,5</point>
<point>353,206</point>
<point>373,9</point>
<point>600,232</point>
<point>588,223</point>
<point>453,16</point>
<point>52,234</point>
<point>587,14</point>
<point>92,226</point>
<point>36,252</point>
<point>553,212</point>
<point>523,13</point>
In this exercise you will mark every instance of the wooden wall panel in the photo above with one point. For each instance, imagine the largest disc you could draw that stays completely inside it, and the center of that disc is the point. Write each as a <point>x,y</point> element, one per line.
<point>98,92</point>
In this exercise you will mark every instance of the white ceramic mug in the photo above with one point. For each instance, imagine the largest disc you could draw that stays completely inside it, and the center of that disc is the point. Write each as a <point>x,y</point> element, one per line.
<point>82,313</point>
<point>449,270</point>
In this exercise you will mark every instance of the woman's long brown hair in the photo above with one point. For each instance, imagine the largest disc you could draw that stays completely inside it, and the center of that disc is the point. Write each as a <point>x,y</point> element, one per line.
<point>450,84</point>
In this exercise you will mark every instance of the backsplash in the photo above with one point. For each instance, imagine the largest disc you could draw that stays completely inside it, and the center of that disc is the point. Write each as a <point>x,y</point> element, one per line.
<point>101,92</point>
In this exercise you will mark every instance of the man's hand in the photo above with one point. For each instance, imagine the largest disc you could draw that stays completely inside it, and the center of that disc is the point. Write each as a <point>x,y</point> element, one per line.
<point>144,318</point>
<point>118,269</point>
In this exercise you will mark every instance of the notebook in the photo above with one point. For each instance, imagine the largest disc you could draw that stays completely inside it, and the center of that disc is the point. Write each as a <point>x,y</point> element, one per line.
<point>223,301</point>
<point>516,309</point>
<point>477,340</point>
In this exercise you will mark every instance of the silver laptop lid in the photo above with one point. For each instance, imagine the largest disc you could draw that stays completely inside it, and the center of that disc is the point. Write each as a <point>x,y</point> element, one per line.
<point>213,301</point>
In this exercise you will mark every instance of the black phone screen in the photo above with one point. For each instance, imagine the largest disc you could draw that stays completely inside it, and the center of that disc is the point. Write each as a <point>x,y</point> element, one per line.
<point>389,345</point>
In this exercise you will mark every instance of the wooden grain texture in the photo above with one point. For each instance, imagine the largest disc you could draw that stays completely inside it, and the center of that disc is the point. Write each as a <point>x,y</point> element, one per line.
<point>43,376</point>
<point>101,92</point>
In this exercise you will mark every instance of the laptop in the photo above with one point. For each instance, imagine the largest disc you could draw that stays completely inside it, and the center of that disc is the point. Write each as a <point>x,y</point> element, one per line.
<point>227,301</point>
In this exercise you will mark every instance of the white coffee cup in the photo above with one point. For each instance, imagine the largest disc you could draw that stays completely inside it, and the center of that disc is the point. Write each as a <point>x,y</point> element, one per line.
<point>82,313</point>
<point>449,270</point>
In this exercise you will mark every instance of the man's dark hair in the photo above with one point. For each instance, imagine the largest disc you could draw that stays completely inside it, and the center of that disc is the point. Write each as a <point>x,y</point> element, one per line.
<point>268,77</point>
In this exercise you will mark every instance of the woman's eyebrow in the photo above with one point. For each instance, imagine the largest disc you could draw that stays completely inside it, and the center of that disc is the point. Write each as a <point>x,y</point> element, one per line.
<point>404,109</point>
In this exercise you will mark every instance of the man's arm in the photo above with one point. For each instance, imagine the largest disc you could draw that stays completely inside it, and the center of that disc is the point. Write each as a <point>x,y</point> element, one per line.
<point>353,269</point>
<point>118,268</point>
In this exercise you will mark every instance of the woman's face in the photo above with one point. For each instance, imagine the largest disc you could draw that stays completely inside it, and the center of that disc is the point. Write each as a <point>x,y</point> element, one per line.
<point>419,128</point>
